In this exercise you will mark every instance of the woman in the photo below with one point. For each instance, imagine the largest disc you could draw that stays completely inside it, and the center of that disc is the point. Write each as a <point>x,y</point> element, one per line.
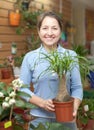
<point>49,29</point>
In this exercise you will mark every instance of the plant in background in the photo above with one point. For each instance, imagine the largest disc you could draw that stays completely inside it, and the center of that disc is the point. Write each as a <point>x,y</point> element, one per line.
<point>86,111</point>
<point>18,60</point>
<point>5,63</point>
<point>28,20</point>
<point>10,97</point>
<point>80,49</point>
<point>33,42</point>
<point>15,60</point>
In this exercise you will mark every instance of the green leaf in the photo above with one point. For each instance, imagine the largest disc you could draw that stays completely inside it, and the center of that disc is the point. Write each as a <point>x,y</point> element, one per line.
<point>21,94</point>
<point>20,103</point>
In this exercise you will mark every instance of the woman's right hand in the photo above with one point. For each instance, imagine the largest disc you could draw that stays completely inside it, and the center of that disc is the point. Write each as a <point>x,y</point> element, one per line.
<point>48,105</point>
<point>45,104</point>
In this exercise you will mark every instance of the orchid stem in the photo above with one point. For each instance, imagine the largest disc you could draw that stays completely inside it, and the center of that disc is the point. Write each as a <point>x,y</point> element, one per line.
<point>11,111</point>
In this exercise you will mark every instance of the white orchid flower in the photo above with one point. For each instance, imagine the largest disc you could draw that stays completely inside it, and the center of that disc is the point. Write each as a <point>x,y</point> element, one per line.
<point>1,94</point>
<point>17,83</point>
<point>5,105</point>
<point>12,94</point>
<point>12,101</point>
<point>7,99</point>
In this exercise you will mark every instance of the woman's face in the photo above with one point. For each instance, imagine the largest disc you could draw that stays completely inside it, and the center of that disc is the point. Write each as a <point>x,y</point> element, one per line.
<point>49,32</point>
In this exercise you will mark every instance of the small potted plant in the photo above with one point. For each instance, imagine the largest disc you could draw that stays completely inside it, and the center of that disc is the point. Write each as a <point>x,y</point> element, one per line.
<point>85,117</point>
<point>60,64</point>
<point>10,98</point>
<point>5,69</point>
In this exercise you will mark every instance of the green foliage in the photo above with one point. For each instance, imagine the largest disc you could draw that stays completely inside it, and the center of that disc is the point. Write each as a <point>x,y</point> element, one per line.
<point>4,63</point>
<point>33,42</point>
<point>28,20</point>
<point>80,49</point>
<point>9,93</point>
<point>61,63</point>
<point>18,60</point>
<point>50,126</point>
<point>83,115</point>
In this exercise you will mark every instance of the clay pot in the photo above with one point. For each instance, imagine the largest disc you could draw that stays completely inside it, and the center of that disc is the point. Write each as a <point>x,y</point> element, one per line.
<point>89,125</point>
<point>64,111</point>
<point>5,73</point>
<point>14,18</point>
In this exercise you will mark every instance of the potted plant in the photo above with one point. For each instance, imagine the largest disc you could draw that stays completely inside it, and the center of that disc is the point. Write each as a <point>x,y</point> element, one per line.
<point>81,50</point>
<point>10,98</point>
<point>28,20</point>
<point>60,64</point>
<point>85,117</point>
<point>5,69</point>
<point>28,17</point>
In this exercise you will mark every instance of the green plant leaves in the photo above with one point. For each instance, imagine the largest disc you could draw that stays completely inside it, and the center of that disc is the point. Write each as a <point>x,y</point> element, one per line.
<point>50,126</point>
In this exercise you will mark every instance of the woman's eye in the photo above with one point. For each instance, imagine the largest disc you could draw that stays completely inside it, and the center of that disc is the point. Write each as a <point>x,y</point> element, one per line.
<point>44,28</point>
<point>55,28</point>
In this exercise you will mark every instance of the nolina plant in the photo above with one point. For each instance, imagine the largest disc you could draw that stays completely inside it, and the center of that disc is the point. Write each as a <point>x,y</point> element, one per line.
<point>61,63</point>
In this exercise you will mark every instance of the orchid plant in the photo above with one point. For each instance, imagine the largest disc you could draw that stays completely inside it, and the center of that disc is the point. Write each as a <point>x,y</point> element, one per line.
<point>10,97</point>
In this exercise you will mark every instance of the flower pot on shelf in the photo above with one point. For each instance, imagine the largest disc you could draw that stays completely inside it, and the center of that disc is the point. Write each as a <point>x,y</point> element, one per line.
<point>5,73</point>
<point>14,18</point>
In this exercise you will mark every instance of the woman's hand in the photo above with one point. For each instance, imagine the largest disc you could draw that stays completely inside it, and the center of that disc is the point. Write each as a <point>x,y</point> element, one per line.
<point>48,105</point>
<point>40,102</point>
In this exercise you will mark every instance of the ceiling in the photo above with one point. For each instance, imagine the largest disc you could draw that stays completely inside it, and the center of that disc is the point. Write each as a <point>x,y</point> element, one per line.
<point>87,3</point>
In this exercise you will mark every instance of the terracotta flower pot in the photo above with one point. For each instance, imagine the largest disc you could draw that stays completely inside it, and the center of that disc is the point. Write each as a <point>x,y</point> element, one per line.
<point>89,125</point>
<point>14,18</point>
<point>64,111</point>
<point>5,73</point>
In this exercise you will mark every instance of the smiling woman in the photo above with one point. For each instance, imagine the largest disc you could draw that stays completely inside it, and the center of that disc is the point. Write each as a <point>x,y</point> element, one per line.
<point>49,28</point>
